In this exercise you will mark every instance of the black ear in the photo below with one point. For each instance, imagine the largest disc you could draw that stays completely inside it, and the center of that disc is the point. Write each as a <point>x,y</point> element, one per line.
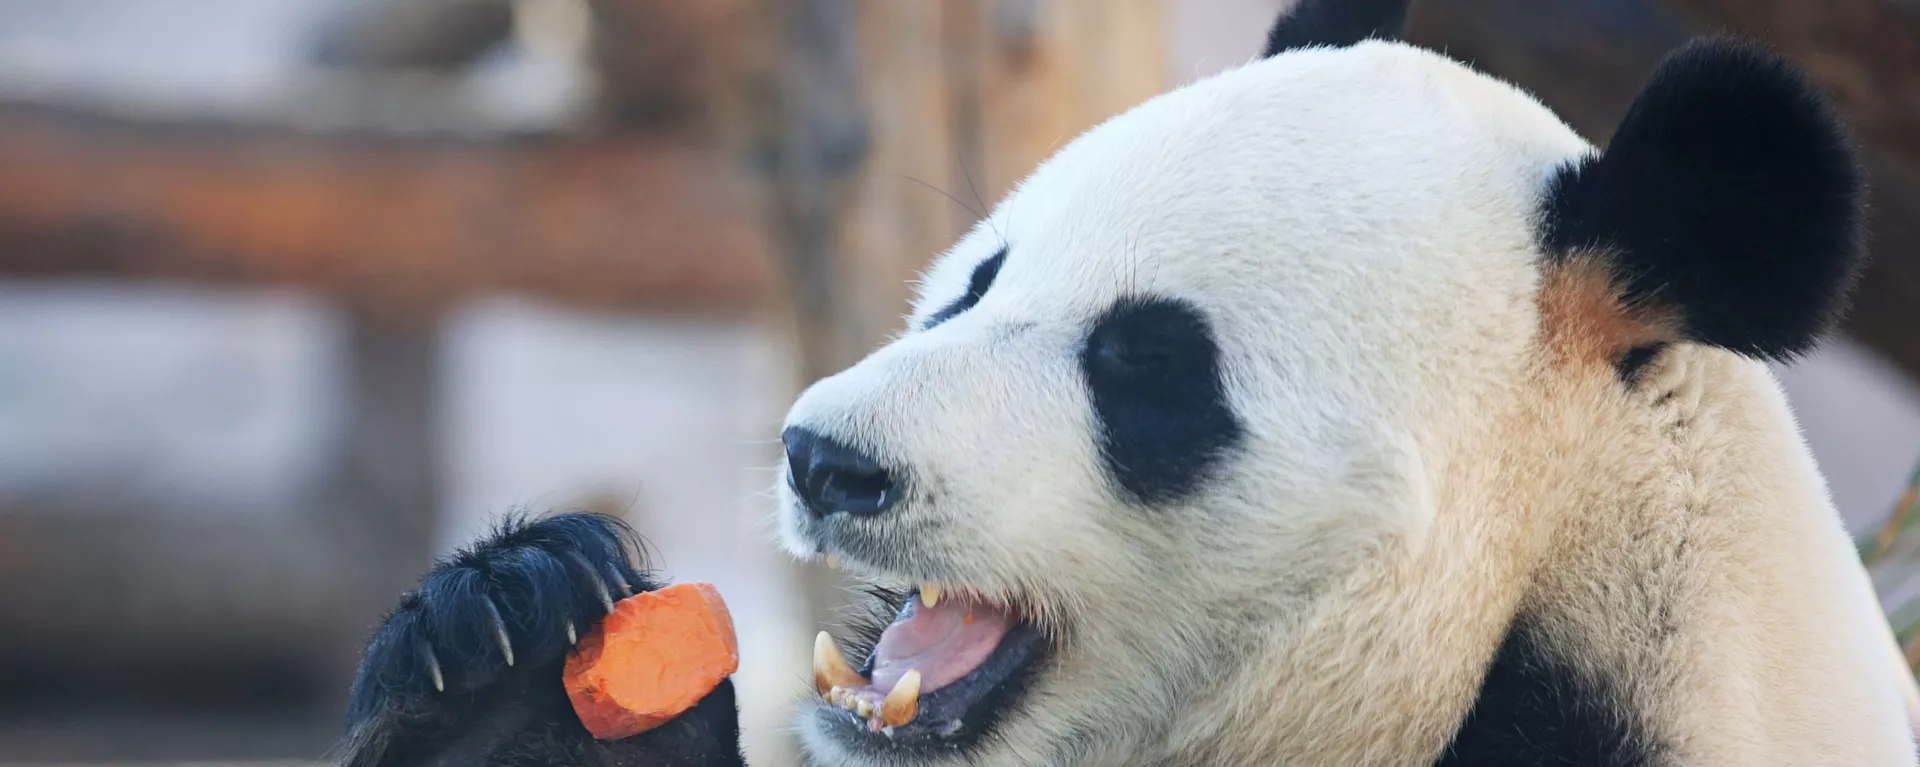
<point>1729,198</point>
<point>1336,23</point>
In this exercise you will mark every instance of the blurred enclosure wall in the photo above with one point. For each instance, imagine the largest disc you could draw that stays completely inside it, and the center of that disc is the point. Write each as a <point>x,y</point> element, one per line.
<point>297,294</point>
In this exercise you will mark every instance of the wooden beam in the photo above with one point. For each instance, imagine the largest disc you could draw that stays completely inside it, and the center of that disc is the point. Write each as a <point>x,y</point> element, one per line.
<point>633,222</point>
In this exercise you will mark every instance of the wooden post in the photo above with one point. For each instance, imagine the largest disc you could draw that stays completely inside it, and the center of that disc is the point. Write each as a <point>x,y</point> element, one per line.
<point>388,480</point>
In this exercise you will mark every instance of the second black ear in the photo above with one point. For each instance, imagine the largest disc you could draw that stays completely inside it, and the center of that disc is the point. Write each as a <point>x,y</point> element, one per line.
<point>1313,23</point>
<point>1730,197</point>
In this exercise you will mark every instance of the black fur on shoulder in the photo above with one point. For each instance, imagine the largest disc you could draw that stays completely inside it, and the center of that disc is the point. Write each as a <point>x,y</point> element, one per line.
<point>1730,194</point>
<point>1534,709</point>
<point>1336,23</point>
<point>467,669</point>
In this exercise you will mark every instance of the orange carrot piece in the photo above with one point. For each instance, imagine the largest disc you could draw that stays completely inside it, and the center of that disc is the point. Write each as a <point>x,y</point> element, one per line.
<point>653,658</point>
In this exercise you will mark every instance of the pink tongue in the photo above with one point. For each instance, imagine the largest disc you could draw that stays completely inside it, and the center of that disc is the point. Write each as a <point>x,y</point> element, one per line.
<point>945,642</point>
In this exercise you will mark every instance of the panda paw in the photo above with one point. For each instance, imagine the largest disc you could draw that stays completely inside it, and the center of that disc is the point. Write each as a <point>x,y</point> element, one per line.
<point>467,669</point>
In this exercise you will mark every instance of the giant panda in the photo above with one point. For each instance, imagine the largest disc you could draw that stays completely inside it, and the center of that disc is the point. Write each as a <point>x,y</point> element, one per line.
<point>1345,408</point>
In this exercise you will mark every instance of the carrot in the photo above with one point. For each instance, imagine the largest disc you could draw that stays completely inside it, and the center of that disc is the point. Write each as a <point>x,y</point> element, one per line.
<point>655,656</point>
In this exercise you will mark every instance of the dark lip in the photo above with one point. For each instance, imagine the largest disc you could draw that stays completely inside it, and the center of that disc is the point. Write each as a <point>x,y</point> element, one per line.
<point>960,713</point>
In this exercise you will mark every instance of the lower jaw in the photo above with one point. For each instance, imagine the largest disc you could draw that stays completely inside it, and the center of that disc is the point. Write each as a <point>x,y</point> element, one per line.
<point>955,715</point>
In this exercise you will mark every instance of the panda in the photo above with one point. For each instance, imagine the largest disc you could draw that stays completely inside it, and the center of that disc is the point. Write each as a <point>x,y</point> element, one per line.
<point>1345,408</point>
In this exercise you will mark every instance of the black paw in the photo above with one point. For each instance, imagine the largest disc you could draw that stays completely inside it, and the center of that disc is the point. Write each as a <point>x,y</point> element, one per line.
<point>467,669</point>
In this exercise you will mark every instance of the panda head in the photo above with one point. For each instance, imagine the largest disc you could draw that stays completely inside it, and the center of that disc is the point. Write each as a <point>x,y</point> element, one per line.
<point>1220,356</point>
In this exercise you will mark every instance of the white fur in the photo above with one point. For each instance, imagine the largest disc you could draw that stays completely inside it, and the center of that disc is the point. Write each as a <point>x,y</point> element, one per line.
<point>1358,226</point>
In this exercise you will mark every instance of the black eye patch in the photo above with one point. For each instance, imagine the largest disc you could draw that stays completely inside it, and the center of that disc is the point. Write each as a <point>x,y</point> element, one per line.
<point>1153,371</point>
<point>977,286</point>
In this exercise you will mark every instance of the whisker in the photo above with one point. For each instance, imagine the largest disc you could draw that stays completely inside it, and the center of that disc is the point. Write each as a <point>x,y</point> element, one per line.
<point>962,160</point>
<point>943,193</point>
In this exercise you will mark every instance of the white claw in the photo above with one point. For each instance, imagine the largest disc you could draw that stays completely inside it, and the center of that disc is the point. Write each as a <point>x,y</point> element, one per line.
<point>606,600</point>
<point>433,667</point>
<point>599,584</point>
<point>625,589</point>
<point>500,633</point>
<point>903,703</point>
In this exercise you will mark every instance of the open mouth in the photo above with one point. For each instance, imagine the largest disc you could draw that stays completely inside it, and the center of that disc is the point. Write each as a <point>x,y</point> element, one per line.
<point>945,668</point>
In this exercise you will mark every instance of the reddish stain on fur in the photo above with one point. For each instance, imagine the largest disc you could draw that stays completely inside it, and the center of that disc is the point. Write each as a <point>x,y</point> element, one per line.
<point>1584,323</point>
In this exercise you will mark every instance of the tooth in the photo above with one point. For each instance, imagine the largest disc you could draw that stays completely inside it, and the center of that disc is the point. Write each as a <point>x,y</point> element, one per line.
<point>865,708</point>
<point>903,704</point>
<point>833,562</point>
<point>929,594</point>
<point>830,668</point>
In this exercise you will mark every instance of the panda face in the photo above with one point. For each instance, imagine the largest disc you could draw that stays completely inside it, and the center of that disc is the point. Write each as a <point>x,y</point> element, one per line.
<point>1179,381</point>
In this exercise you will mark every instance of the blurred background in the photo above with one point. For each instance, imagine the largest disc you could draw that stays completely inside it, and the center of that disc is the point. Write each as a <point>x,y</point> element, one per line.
<point>297,294</point>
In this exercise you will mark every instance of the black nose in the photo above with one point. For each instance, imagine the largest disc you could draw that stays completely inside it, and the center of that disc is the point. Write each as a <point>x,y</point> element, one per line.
<point>833,478</point>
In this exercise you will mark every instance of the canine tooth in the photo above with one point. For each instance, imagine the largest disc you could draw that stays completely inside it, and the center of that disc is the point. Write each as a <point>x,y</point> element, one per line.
<point>830,668</point>
<point>929,594</point>
<point>833,562</point>
<point>903,703</point>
